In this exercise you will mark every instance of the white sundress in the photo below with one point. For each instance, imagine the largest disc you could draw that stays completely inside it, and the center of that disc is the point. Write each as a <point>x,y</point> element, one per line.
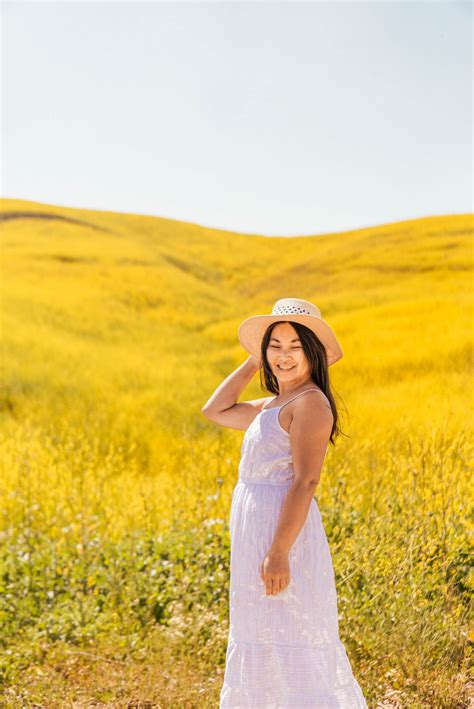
<point>283,651</point>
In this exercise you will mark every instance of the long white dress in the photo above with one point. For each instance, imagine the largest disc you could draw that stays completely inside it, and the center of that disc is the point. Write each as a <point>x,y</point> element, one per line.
<point>283,651</point>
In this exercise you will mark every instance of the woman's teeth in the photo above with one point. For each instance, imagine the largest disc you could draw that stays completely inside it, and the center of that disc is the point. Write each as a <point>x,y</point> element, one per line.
<point>285,369</point>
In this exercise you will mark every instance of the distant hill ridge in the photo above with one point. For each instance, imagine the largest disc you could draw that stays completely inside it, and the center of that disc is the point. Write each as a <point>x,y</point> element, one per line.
<point>11,209</point>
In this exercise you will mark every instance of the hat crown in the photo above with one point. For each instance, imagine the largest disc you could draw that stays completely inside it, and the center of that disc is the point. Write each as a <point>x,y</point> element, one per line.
<point>297,306</point>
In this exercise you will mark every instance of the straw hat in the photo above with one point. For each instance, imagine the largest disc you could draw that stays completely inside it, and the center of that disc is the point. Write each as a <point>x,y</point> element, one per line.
<point>251,330</point>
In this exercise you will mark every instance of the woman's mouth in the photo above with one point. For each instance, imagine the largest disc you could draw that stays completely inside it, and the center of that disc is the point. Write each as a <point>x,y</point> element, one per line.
<point>285,369</point>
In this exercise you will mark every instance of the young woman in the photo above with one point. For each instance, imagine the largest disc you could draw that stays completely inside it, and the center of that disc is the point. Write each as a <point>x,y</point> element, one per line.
<point>284,650</point>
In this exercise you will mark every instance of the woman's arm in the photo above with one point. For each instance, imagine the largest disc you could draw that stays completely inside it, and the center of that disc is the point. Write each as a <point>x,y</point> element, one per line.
<point>310,429</point>
<point>229,390</point>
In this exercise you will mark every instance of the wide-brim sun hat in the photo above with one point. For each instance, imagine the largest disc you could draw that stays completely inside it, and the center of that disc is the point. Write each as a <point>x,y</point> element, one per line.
<point>251,330</point>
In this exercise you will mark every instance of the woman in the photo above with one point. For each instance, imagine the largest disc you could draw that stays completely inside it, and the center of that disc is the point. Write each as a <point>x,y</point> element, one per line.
<point>283,650</point>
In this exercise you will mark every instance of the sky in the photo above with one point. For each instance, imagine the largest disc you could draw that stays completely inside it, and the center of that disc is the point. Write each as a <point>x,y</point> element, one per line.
<point>274,118</point>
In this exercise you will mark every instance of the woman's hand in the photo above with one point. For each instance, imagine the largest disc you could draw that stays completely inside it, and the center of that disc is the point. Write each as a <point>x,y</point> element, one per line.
<point>275,573</point>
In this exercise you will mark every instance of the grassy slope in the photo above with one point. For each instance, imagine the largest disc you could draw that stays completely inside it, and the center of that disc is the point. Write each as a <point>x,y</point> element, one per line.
<point>116,329</point>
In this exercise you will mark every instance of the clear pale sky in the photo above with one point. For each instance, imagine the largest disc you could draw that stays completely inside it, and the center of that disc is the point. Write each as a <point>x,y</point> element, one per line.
<point>279,118</point>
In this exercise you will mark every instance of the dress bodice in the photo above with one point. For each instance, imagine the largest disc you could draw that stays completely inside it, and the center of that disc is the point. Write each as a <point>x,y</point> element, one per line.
<point>266,452</point>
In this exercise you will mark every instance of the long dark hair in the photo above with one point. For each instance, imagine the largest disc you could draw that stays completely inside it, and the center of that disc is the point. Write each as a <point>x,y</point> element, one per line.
<point>316,355</point>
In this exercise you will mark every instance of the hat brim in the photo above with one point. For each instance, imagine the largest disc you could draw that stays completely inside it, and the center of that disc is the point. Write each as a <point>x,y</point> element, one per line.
<point>251,331</point>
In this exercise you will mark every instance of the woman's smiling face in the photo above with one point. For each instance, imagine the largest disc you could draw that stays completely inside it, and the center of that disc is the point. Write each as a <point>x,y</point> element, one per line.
<point>286,356</point>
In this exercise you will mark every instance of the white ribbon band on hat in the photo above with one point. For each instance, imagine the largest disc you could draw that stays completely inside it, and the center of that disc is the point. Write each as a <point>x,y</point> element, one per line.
<point>281,309</point>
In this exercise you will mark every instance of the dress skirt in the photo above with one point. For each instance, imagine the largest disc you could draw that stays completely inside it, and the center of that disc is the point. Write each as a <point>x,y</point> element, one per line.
<point>283,651</point>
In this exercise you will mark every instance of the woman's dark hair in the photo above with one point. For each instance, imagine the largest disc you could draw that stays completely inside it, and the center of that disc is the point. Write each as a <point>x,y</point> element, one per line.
<point>316,355</point>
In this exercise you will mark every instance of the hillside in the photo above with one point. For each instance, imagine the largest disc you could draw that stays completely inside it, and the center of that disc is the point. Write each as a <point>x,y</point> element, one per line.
<point>116,489</point>
<point>123,298</point>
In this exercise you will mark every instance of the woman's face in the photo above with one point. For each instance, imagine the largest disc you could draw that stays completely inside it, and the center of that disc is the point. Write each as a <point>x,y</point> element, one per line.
<point>285,354</point>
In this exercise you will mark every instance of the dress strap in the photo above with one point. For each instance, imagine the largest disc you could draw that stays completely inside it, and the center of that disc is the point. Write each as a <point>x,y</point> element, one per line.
<point>267,402</point>
<point>300,394</point>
